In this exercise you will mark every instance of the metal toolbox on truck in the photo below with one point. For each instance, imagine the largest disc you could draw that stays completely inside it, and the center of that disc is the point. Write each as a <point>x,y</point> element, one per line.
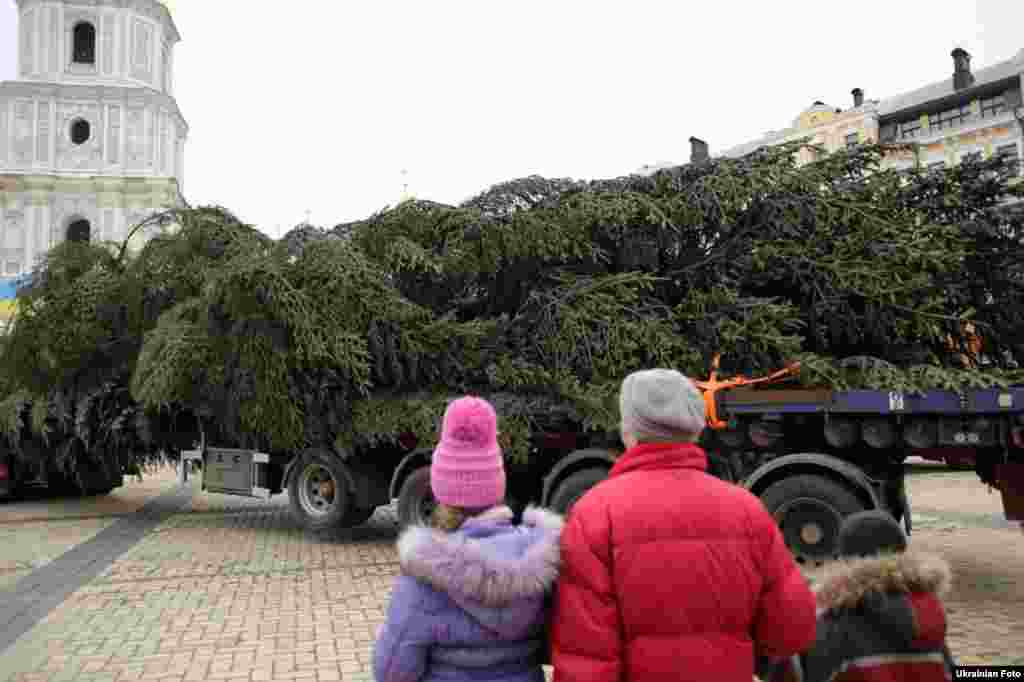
<point>230,471</point>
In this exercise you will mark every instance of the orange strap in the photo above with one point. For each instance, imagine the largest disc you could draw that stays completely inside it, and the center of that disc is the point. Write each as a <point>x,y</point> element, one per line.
<point>713,385</point>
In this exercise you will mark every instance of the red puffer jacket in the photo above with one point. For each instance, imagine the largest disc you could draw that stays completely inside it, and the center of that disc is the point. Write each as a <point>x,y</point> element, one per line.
<point>671,574</point>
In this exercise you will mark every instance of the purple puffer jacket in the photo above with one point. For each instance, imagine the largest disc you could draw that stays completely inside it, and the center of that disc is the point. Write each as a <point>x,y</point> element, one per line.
<point>469,605</point>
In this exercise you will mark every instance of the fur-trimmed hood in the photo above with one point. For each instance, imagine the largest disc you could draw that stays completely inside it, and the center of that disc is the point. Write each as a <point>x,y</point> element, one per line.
<point>847,582</point>
<point>488,562</point>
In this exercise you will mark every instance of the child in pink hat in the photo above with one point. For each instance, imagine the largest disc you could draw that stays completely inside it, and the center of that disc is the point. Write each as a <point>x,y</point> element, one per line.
<point>470,603</point>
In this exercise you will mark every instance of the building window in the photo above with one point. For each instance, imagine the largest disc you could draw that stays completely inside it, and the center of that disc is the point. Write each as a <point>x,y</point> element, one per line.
<point>79,231</point>
<point>84,43</point>
<point>949,118</point>
<point>1011,155</point>
<point>910,129</point>
<point>992,106</point>
<point>852,140</point>
<point>80,131</point>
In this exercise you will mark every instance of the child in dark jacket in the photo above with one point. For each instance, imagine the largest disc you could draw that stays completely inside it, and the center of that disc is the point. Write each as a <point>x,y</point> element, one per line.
<point>470,603</point>
<point>880,612</point>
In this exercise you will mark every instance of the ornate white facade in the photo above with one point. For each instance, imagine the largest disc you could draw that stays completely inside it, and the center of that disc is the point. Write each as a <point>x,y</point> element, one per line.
<point>91,138</point>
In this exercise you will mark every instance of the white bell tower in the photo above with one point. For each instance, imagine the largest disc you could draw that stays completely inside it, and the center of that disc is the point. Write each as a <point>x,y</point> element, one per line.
<point>91,138</point>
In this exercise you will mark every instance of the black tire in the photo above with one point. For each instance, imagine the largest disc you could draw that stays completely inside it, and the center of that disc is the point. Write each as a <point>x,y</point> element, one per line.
<point>357,517</point>
<point>574,486</point>
<point>99,492</point>
<point>318,491</point>
<point>60,484</point>
<point>415,499</point>
<point>809,510</point>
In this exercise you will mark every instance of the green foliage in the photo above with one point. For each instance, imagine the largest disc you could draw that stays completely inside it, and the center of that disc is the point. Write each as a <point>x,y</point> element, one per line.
<point>539,294</point>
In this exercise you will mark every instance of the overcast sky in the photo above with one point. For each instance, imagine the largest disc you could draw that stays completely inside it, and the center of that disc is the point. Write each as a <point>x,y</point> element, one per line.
<point>316,105</point>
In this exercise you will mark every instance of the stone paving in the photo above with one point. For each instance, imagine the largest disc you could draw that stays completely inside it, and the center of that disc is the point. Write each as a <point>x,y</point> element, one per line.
<point>958,518</point>
<point>232,589</point>
<point>37,530</point>
<point>30,545</point>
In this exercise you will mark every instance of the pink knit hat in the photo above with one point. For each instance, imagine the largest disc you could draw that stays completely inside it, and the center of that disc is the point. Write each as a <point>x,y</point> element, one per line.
<point>467,469</point>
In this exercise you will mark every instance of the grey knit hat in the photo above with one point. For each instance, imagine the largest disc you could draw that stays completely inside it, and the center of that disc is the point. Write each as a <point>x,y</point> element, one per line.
<point>661,405</point>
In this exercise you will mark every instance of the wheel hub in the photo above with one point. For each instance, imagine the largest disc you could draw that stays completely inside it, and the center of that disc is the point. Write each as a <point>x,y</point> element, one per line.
<point>811,533</point>
<point>810,528</point>
<point>316,490</point>
<point>327,490</point>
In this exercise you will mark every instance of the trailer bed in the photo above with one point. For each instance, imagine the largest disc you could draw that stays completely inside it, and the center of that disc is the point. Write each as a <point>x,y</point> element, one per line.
<point>741,401</point>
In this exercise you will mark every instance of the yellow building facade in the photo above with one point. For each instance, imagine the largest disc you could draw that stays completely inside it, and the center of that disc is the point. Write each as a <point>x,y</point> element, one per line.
<point>821,124</point>
<point>972,113</point>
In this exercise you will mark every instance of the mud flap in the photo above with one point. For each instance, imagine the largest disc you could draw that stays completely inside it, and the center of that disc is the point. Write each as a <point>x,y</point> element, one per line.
<point>905,503</point>
<point>1010,480</point>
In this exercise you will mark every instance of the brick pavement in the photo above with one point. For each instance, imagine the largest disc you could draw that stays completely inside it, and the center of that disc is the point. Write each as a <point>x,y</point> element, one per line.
<point>241,594</point>
<point>961,520</point>
<point>35,531</point>
<point>28,546</point>
<point>36,595</point>
<point>231,589</point>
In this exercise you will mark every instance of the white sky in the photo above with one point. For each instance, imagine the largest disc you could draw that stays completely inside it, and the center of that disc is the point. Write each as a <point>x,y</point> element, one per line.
<point>319,105</point>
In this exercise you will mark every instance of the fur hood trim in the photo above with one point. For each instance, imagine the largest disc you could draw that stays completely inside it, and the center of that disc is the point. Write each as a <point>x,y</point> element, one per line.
<point>845,582</point>
<point>476,569</point>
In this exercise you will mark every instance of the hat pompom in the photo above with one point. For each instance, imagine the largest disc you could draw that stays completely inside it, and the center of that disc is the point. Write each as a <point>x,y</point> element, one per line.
<point>467,469</point>
<point>472,422</point>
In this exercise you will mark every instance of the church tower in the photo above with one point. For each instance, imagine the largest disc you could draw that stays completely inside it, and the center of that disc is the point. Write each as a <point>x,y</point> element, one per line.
<point>91,138</point>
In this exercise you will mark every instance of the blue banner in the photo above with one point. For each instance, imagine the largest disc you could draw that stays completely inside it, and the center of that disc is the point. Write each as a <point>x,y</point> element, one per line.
<point>9,287</point>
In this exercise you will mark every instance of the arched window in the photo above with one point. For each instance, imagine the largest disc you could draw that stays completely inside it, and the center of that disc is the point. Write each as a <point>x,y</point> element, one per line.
<point>80,131</point>
<point>84,48</point>
<point>79,231</point>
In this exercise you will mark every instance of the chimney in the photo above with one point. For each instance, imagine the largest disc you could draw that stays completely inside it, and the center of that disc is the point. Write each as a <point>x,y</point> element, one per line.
<point>858,97</point>
<point>698,150</point>
<point>962,76</point>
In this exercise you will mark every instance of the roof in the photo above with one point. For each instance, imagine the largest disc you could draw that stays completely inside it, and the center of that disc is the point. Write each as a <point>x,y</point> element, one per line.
<point>944,88</point>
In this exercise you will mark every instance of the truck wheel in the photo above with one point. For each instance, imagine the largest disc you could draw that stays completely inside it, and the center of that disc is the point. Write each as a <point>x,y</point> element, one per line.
<point>574,486</point>
<point>809,510</point>
<point>318,491</point>
<point>415,499</point>
<point>357,517</point>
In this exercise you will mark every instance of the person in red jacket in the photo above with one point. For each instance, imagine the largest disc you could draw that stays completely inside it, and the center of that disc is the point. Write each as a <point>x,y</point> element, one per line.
<point>669,573</point>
